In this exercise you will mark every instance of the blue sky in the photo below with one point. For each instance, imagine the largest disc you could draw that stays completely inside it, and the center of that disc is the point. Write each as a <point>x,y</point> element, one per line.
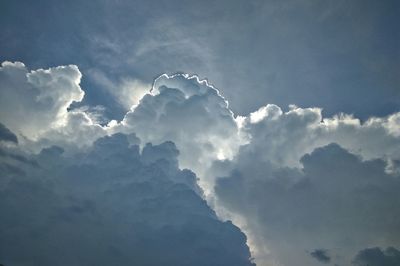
<point>220,133</point>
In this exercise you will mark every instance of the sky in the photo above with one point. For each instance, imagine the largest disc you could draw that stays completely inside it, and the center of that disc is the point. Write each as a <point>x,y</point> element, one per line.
<point>200,133</point>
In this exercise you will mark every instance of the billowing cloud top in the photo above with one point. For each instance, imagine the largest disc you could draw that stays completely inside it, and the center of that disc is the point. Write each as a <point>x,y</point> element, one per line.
<point>34,104</point>
<point>303,188</point>
<point>35,101</point>
<point>192,114</point>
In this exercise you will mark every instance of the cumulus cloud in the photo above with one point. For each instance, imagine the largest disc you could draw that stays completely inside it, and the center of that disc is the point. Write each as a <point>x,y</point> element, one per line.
<point>191,113</point>
<point>275,172</point>
<point>337,200</point>
<point>273,163</point>
<point>267,143</point>
<point>284,137</point>
<point>32,102</point>
<point>34,105</point>
<point>111,205</point>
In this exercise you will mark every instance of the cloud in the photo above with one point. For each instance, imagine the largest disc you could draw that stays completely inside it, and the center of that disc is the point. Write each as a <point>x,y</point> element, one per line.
<point>306,53</point>
<point>275,172</point>
<point>34,101</point>
<point>34,105</point>
<point>7,135</point>
<point>321,255</point>
<point>269,143</point>
<point>284,137</point>
<point>337,200</point>
<point>377,257</point>
<point>191,113</point>
<point>111,205</point>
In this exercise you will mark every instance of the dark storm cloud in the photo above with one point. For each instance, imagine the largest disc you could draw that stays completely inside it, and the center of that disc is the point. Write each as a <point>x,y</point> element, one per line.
<point>321,255</point>
<point>337,201</point>
<point>7,135</point>
<point>303,52</point>
<point>111,205</point>
<point>377,257</point>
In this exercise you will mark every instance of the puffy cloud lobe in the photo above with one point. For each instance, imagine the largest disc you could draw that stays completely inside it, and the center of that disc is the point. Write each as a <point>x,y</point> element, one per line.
<point>35,101</point>
<point>111,205</point>
<point>192,114</point>
<point>34,105</point>
<point>336,200</point>
<point>284,137</point>
<point>377,257</point>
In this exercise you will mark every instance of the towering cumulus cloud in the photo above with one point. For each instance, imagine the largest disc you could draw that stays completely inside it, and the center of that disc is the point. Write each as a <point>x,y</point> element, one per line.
<point>106,203</point>
<point>192,114</point>
<point>303,188</point>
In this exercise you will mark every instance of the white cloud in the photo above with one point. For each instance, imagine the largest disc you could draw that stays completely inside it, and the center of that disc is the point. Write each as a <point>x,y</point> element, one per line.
<point>192,114</point>
<point>270,165</point>
<point>34,105</point>
<point>284,137</point>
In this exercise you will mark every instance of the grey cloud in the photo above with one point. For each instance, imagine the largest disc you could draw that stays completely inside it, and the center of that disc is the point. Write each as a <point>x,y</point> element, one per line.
<point>111,205</point>
<point>336,200</point>
<point>377,257</point>
<point>7,135</point>
<point>321,255</point>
